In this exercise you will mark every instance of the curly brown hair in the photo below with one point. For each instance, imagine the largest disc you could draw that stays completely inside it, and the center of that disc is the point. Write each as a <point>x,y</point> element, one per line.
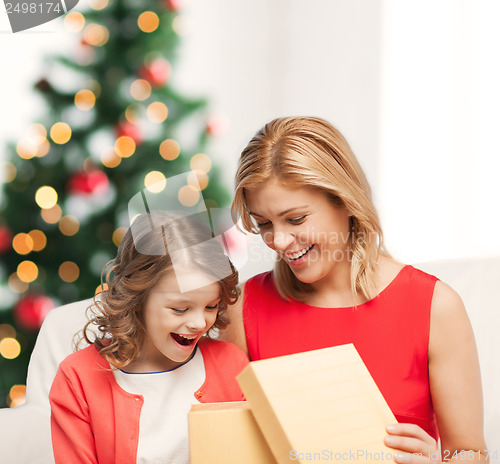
<point>143,258</point>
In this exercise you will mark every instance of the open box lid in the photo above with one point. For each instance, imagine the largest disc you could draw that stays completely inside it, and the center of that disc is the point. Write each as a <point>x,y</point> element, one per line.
<point>320,405</point>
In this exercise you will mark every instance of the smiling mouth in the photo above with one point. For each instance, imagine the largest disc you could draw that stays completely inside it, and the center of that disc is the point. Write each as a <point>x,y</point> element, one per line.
<point>298,254</point>
<point>183,340</point>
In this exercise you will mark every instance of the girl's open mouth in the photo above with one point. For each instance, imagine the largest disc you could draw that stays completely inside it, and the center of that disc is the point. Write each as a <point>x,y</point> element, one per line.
<point>183,340</point>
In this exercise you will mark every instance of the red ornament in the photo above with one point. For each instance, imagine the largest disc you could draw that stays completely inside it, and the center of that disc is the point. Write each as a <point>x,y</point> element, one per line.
<point>83,183</point>
<point>130,130</point>
<point>5,239</point>
<point>217,125</point>
<point>30,311</point>
<point>173,5</point>
<point>157,73</point>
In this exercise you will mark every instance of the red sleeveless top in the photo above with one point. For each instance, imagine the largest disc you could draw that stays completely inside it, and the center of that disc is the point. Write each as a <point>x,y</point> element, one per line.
<point>390,332</point>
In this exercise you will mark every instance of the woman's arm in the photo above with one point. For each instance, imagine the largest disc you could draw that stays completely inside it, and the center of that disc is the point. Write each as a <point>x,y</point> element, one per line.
<point>455,378</point>
<point>455,383</point>
<point>235,331</point>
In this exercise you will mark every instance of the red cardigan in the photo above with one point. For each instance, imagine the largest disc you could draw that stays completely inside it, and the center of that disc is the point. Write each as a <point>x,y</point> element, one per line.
<point>95,421</point>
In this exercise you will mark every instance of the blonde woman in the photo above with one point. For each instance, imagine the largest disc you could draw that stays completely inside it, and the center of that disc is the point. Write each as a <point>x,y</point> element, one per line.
<point>300,187</point>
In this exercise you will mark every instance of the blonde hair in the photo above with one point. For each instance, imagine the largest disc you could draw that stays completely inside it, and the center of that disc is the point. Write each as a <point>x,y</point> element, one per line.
<point>117,311</point>
<point>310,152</point>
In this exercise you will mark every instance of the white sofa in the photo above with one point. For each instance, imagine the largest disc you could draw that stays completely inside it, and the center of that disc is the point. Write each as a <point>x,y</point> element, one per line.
<point>25,431</point>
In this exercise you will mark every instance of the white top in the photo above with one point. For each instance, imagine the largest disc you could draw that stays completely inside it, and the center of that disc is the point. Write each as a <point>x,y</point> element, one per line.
<point>168,396</point>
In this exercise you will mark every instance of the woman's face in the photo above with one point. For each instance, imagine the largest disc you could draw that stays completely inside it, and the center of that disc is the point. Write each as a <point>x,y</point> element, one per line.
<point>303,226</point>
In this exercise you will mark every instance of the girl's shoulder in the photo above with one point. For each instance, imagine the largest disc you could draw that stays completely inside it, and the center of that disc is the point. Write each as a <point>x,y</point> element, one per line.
<point>213,350</point>
<point>83,360</point>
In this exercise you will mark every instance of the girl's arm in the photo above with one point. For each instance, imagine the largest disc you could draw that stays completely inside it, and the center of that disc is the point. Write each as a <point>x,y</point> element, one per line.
<point>72,437</point>
<point>235,331</point>
<point>455,383</point>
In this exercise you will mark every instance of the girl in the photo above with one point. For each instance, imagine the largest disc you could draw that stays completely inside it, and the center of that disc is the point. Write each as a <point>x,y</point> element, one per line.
<point>125,398</point>
<point>300,187</point>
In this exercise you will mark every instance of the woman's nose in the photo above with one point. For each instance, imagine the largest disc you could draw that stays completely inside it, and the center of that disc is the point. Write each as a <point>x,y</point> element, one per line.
<point>282,240</point>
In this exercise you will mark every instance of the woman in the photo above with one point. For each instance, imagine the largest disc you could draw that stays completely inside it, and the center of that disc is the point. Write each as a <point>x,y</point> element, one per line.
<point>299,185</point>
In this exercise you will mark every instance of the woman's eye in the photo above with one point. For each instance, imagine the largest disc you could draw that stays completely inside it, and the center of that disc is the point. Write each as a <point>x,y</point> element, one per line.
<point>297,221</point>
<point>211,308</point>
<point>178,311</point>
<point>263,225</point>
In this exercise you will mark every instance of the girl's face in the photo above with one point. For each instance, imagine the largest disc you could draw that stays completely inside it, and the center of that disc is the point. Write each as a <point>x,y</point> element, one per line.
<point>303,226</point>
<point>175,321</point>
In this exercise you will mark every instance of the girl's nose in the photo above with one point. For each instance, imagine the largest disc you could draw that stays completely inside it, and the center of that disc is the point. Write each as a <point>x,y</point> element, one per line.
<point>197,321</point>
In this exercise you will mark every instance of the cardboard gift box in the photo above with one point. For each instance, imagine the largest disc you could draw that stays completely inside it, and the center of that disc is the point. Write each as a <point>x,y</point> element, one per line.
<point>226,433</point>
<point>318,406</point>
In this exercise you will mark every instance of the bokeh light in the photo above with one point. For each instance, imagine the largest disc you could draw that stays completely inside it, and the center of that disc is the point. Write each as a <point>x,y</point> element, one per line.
<point>96,35</point>
<point>36,133</point>
<point>26,149</point>
<point>118,235</point>
<point>17,395</point>
<point>157,112</point>
<point>60,132</point>
<point>74,21</point>
<point>7,331</point>
<point>133,112</point>
<point>43,149</point>
<point>201,162</point>
<point>16,284</point>
<point>101,288</point>
<point>27,271</point>
<point>22,244</point>
<point>98,4</point>
<point>10,348</point>
<point>198,179</point>
<point>85,100</point>
<point>69,225</point>
<point>125,146</point>
<point>46,197</point>
<point>188,195</point>
<point>110,158</point>
<point>69,271</point>
<point>140,89</point>
<point>52,215</point>
<point>39,239</point>
<point>170,149</point>
<point>155,181</point>
<point>9,172</point>
<point>148,21</point>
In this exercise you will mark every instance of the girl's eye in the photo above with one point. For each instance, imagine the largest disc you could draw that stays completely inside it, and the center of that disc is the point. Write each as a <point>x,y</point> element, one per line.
<point>178,311</point>
<point>297,221</point>
<point>263,225</point>
<point>211,308</point>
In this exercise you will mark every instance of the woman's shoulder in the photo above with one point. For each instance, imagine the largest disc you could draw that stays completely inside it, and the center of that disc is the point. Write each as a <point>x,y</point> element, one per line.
<point>390,271</point>
<point>260,280</point>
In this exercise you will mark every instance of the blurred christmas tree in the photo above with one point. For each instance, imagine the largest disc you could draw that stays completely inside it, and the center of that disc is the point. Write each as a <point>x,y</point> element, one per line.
<point>115,125</point>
